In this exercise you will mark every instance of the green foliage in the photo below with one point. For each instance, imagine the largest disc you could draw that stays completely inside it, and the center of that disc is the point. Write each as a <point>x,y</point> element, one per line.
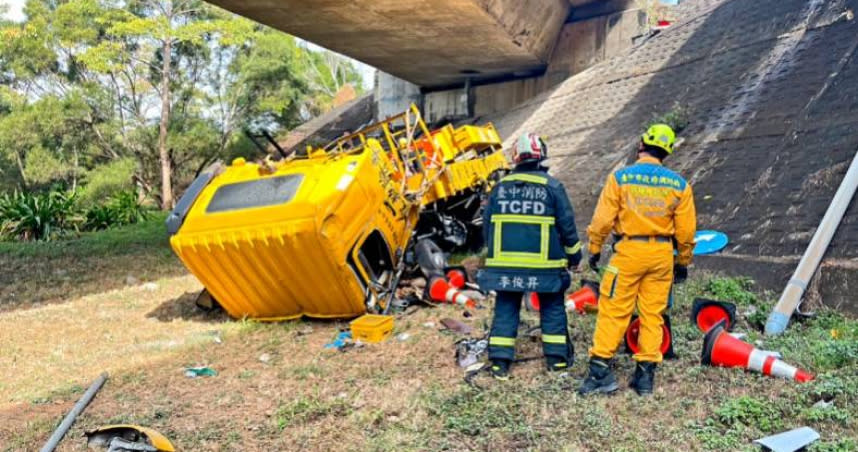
<point>328,72</point>
<point>841,445</point>
<point>26,215</point>
<point>36,216</point>
<point>146,237</point>
<point>45,138</point>
<point>305,410</point>
<point>751,412</point>
<point>43,167</point>
<point>105,181</point>
<point>735,290</point>
<point>833,354</point>
<point>80,81</point>
<point>122,209</point>
<point>713,436</point>
<point>832,387</point>
<point>676,118</point>
<point>830,414</point>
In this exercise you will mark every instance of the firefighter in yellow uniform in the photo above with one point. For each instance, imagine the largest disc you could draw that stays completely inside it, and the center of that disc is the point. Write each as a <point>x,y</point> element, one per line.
<point>650,210</point>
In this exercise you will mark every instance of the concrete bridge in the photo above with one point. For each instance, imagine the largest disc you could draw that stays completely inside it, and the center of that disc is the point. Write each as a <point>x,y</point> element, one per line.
<point>757,83</point>
<point>432,43</point>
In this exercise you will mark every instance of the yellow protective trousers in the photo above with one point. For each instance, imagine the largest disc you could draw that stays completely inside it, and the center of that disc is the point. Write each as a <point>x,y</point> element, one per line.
<point>640,272</point>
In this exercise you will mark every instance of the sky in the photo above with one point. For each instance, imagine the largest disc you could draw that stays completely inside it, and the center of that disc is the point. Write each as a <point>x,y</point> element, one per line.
<point>15,9</point>
<point>15,12</point>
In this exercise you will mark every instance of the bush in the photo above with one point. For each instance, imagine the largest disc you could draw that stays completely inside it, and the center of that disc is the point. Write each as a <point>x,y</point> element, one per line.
<point>106,181</point>
<point>736,290</point>
<point>37,216</point>
<point>123,208</point>
<point>751,412</point>
<point>676,118</point>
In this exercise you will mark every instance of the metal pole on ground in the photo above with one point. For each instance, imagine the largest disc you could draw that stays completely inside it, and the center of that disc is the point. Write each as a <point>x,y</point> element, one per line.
<point>791,297</point>
<point>78,408</point>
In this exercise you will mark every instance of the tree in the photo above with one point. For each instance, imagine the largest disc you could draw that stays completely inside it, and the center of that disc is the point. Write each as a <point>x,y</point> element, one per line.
<point>169,85</point>
<point>157,34</point>
<point>328,74</point>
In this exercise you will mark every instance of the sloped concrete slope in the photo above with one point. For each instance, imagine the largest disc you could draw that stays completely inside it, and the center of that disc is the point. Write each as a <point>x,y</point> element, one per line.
<point>770,88</point>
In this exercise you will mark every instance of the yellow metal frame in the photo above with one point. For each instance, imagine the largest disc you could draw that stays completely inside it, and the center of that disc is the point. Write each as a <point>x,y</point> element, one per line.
<point>283,261</point>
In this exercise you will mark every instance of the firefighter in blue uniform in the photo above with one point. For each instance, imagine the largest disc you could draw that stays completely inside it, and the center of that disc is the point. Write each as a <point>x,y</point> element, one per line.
<point>529,227</point>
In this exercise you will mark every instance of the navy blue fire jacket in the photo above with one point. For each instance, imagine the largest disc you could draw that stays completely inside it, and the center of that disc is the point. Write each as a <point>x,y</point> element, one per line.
<point>529,228</point>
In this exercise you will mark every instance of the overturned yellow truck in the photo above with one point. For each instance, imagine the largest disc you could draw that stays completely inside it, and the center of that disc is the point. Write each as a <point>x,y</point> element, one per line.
<point>329,232</point>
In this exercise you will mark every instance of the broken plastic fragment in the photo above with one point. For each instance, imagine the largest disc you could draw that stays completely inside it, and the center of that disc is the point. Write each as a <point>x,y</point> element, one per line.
<point>203,371</point>
<point>790,441</point>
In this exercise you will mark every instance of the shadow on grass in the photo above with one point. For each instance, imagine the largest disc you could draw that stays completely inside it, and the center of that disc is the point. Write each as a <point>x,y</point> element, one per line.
<point>184,307</point>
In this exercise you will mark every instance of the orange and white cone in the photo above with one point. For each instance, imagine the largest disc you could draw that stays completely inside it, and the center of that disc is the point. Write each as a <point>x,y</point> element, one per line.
<point>722,349</point>
<point>586,296</point>
<point>532,301</point>
<point>633,332</point>
<point>456,278</point>
<point>707,313</point>
<point>442,292</point>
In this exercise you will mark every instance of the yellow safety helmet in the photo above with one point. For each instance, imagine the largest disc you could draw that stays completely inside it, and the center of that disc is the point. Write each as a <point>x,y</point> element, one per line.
<point>660,136</point>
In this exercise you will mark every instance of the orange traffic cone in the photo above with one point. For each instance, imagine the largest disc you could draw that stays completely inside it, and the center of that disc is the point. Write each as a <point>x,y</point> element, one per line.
<point>634,331</point>
<point>587,295</point>
<point>531,299</point>
<point>707,313</point>
<point>441,291</point>
<point>722,349</point>
<point>456,278</point>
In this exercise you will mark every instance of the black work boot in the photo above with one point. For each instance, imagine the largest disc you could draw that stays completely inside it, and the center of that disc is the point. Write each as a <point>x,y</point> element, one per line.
<point>600,380</point>
<point>556,364</point>
<point>500,369</point>
<point>643,379</point>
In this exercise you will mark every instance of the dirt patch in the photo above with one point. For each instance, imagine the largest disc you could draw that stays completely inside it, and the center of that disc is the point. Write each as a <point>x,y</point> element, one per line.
<point>410,395</point>
<point>65,344</point>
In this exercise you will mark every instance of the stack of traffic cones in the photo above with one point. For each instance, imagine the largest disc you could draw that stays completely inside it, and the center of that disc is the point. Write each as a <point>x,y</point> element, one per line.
<point>441,291</point>
<point>722,349</point>
<point>587,297</point>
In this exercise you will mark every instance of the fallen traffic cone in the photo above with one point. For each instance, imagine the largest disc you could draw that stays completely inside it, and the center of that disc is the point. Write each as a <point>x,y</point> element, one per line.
<point>586,296</point>
<point>722,349</point>
<point>441,291</point>
<point>531,299</point>
<point>707,313</point>
<point>456,278</point>
<point>634,331</point>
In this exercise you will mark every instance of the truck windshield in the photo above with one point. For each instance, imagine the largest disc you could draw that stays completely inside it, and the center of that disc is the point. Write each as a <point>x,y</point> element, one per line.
<point>257,193</point>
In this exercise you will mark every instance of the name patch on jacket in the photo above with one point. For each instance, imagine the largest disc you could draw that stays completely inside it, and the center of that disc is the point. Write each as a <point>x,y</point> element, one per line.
<point>522,200</point>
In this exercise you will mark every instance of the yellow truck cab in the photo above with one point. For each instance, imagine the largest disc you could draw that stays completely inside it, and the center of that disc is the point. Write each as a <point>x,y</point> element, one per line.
<point>325,233</point>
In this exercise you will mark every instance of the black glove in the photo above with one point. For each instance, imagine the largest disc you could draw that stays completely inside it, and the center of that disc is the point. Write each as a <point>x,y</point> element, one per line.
<point>680,274</point>
<point>572,261</point>
<point>594,261</point>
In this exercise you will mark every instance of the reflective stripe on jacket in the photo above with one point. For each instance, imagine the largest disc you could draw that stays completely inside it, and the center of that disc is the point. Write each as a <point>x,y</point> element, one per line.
<point>645,199</point>
<point>529,228</point>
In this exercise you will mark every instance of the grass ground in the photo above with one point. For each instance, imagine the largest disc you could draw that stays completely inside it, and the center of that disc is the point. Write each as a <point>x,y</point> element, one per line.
<point>39,272</point>
<point>277,388</point>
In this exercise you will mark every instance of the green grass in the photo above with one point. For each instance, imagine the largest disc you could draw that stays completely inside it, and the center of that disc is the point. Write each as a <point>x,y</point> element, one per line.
<point>329,400</point>
<point>147,236</point>
<point>32,272</point>
<point>305,410</point>
<point>700,408</point>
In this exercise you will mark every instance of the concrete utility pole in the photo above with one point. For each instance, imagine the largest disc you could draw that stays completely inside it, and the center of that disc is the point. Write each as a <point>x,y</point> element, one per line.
<point>791,297</point>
